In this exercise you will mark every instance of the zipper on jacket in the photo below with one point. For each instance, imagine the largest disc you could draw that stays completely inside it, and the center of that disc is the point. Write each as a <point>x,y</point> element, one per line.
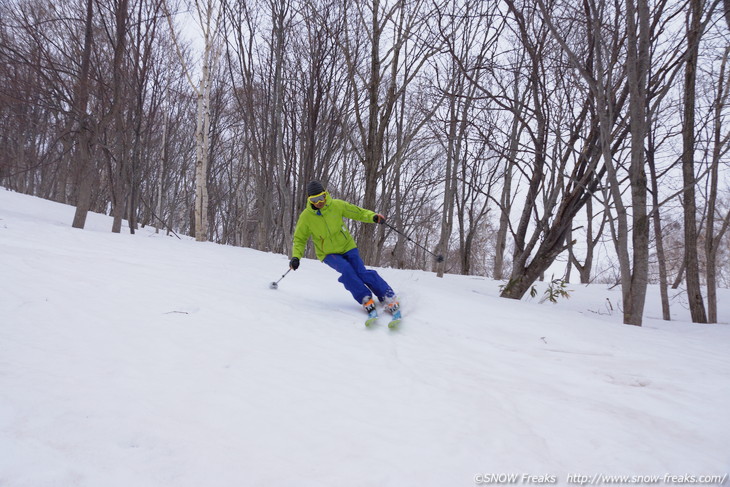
<point>327,227</point>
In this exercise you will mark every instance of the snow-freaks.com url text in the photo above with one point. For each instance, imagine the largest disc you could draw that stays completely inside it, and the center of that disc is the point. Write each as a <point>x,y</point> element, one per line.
<point>599,479</point>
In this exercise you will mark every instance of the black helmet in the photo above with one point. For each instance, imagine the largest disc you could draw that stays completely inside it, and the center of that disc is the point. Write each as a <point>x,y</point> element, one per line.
<point>314,187</point>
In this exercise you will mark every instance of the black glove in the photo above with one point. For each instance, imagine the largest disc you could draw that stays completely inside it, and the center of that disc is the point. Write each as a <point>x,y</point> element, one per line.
<point>378,218</point>
<point>294,263</point>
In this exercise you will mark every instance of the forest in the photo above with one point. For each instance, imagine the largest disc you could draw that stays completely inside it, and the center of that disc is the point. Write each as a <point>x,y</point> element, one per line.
<point>514,137</point>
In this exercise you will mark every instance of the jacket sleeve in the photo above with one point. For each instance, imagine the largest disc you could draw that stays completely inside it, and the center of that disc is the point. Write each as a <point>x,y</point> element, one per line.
<point>354,212</point>
<point>301,235</point>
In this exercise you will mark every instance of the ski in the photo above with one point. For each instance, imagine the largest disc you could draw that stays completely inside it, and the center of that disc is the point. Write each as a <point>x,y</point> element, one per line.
<point>395,320</point>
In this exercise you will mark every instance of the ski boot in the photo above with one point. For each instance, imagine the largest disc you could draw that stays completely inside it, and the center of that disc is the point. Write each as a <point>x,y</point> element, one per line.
<point>369,306</point>
<point>392,306</point>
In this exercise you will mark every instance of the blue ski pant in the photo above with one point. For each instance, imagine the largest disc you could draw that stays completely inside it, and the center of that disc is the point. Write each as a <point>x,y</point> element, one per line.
<point>361,282</point>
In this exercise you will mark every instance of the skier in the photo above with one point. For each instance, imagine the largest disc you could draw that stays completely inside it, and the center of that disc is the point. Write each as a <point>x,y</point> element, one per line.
<point>322,220</point>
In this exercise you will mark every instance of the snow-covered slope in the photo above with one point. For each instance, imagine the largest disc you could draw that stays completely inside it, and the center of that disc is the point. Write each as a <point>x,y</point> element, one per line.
<point>144,360</point>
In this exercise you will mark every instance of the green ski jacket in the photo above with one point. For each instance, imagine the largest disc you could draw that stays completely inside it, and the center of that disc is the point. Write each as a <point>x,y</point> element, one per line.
<point>329,233</point>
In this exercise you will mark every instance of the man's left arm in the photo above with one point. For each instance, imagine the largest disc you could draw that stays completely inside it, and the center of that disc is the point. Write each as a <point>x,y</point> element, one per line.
<point>354,212</point>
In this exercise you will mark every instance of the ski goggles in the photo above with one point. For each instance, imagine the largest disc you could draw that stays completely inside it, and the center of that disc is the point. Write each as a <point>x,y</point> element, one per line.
<point>317,198</point>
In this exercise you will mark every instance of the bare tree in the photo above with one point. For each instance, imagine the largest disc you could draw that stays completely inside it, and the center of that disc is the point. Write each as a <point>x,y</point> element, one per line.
<point>208,17</point>
<point>637,63</point>
<point>717,224</point>
<point>692,271</point>
<point>559,198</point>
<point>517,108</point>
<point>598,72</point>
<point>81,102</point>
<point>462,29</point>
<point>120,184</point>
<point>378,81</point>
<point>592,238</point>
<point>658,232</point>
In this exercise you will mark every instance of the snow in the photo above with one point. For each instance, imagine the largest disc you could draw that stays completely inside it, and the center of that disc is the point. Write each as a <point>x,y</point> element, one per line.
<point>146,360</point>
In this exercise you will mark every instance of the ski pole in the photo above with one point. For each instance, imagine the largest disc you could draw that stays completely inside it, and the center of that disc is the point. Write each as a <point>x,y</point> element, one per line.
<point>439,257</point>
<point>275,285</point>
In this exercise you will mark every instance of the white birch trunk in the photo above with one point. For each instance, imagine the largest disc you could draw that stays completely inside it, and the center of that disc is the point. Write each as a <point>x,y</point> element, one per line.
<point>159,179</point>
<point>209,20</point>
<point>201,162</point>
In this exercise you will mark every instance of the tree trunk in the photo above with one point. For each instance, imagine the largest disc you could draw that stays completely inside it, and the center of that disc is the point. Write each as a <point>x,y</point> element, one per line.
<point>373,143</point>
<point>201,162</point>
<point>692,270</point>
<point>637,67</point>
<point>119,183</point>
<point>505,202</point>
<point>658,235</point>
<point>83,161</point>
<point>504,212</point>
<point>712,241</point>
<point>160,176</point>
<point>447,215</point>
<point>592,237</point>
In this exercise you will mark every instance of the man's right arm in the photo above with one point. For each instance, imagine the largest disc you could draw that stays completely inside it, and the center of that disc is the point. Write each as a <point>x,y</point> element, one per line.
<point>301,235</point>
